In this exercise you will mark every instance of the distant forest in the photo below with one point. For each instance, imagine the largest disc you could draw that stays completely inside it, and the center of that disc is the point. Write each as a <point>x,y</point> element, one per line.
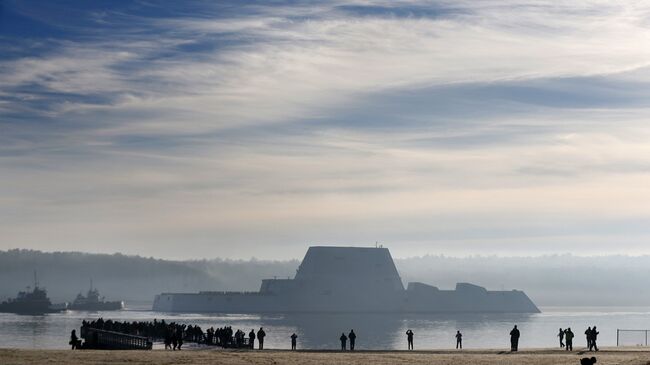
<point>130,278</point>
<point>562,280</point>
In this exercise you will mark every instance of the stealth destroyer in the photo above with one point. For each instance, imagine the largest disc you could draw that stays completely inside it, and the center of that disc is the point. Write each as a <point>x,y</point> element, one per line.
<point>348,279</point>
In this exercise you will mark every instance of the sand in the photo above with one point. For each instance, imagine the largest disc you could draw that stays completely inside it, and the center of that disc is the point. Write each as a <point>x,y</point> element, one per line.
<point>235,357</point>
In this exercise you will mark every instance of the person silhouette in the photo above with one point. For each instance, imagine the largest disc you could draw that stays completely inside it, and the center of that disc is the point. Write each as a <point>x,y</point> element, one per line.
<point>594,337</point>
<point>168,340</point>
<point>344,341</point>
<point>588,361</point>
<point>409,339</point>
<point>352,338</point>
<point>260,338</point>
<point>568,335</point>
<point>588,337</point>
<point>561,336</point>
<point>294,337</point>
<point>251,339</point>
<point>74,340</point>
<point>459,340</point>
<point>514,339</point>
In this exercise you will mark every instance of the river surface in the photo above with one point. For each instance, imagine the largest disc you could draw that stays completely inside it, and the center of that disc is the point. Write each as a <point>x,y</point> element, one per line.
<point>374,331</point>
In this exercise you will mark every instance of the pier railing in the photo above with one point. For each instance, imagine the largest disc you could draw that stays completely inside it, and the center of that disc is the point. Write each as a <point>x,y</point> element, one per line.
<point>109,340</point>
<point>243,343</point>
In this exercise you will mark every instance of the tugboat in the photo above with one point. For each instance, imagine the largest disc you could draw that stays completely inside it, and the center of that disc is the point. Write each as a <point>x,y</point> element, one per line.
<point>92,302</point>
<point>34,302</point>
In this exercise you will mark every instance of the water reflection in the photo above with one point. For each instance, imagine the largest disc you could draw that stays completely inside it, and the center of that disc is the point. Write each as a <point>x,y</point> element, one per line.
<point>323,331</point>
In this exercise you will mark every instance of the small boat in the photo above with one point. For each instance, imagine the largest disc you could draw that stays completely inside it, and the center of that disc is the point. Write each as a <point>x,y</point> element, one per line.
<point>93,302</point>
<point>30,302</point>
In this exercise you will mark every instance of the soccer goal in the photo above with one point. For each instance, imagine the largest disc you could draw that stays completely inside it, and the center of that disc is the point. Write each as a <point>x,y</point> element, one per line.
<point>632,337</point>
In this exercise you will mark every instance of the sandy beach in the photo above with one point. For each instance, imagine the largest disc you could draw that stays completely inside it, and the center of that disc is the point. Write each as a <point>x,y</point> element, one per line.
<point>444,357</point>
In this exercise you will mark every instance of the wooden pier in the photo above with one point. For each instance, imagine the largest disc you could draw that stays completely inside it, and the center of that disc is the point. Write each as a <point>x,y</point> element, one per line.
<point>109,340</point>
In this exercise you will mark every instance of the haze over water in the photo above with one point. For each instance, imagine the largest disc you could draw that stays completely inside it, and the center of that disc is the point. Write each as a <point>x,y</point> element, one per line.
<point>374,331</point>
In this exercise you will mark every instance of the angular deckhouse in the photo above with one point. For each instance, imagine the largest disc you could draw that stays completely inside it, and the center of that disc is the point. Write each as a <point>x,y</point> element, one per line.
<point>348,279</point>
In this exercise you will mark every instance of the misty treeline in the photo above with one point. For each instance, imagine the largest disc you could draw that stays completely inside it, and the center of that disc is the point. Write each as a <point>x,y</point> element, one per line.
<point>130,278</point>
<point>548,280</point>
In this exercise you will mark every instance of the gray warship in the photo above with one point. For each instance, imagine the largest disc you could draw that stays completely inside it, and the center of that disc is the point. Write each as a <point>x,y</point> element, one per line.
<point>348,279</point>
<point>34,302</point>
<point>93,302</point>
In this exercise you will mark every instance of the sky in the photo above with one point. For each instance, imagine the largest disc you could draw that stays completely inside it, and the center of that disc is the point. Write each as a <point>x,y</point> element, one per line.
<point>200,129</point>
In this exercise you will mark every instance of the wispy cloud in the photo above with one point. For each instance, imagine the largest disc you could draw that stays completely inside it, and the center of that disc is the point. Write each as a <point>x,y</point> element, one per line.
<point>518,124</point>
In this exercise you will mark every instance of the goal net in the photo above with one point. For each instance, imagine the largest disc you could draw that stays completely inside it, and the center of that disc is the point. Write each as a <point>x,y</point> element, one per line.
<point>632,337</point>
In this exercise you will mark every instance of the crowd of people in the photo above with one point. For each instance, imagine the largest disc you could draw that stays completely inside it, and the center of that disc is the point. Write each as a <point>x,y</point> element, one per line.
<point>566,338</point>
<point>174,335</point>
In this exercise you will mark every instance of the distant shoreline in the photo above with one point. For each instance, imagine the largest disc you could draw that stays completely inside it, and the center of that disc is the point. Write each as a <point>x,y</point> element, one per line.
<point>630,356</point>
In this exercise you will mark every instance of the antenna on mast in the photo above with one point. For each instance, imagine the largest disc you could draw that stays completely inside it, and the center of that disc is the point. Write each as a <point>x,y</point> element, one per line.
<point>35,280</point>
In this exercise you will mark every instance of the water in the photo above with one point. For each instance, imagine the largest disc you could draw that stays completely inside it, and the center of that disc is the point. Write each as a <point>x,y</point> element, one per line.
<point>374,331</point>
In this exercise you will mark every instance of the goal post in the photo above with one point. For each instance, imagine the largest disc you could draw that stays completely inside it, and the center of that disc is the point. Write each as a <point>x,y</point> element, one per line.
<point>626,337</point>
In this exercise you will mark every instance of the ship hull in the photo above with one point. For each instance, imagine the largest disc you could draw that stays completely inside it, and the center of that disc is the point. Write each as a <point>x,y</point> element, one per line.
<point>218,303</point>
<point>102,306</point>
<point>491,302</point>
<point>27,308</point>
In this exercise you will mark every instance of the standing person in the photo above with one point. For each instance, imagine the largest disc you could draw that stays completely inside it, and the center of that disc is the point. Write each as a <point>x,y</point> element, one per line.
<point>168,340</point>
<point>260,338</point>
<point>409,339</point>
<point>74,340</point>
<point>352,338</point>
<point>514,339</point>
<point>174,340</point>
<point>568,335</point>
<point>459,340</point>
<point>344,341</point>
<point>588,336</point>
<point>251,339</point>
<point>294,337</point>
<point>594,337</point>
<point>561,336</point>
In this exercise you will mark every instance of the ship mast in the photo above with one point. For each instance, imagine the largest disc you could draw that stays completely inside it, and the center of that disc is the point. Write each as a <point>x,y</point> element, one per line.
<point>35,280</point>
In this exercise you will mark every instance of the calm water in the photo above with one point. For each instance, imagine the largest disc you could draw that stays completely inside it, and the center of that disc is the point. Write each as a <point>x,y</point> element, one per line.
<point>374,331</point>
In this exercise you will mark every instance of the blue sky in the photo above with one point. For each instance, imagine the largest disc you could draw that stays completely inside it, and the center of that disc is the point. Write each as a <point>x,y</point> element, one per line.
<point>239,129</point>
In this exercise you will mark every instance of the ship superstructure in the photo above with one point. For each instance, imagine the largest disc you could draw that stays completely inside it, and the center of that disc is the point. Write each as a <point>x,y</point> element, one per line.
<point>348,279</point>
